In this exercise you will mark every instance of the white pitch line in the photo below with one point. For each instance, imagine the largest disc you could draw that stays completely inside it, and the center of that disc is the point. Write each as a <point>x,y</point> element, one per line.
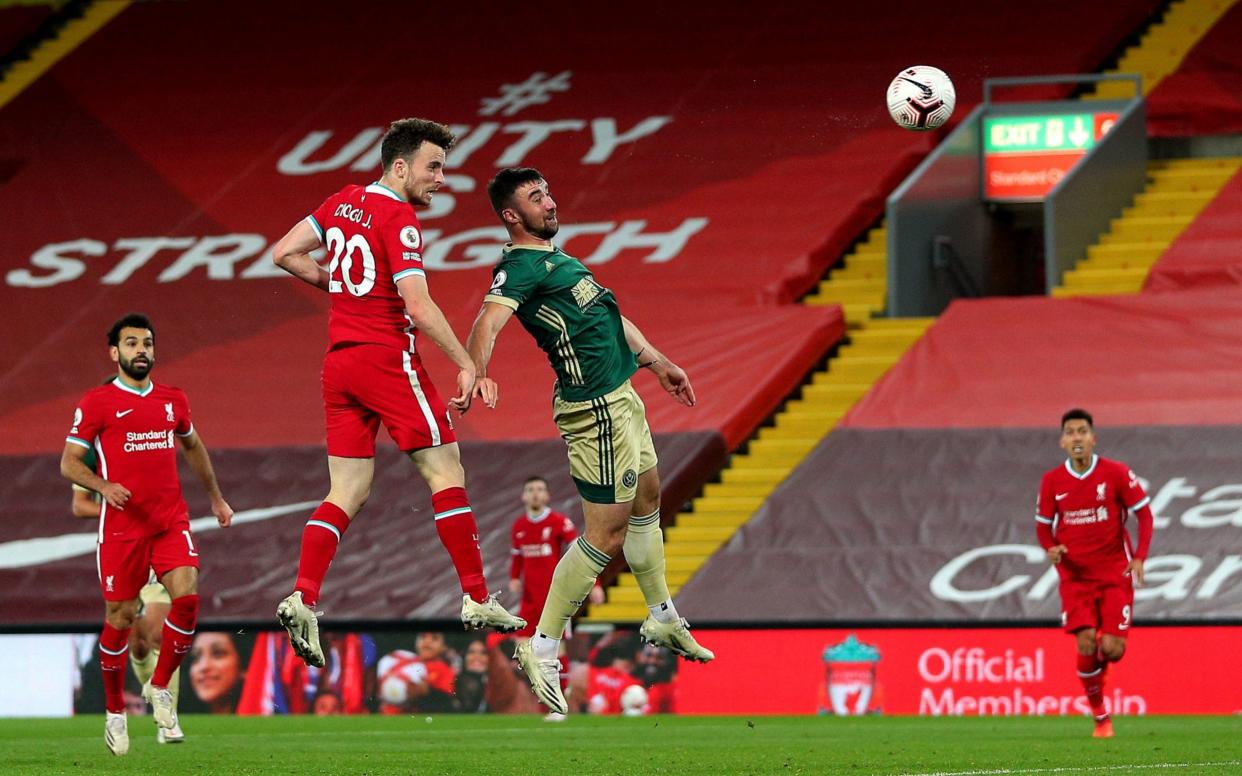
<point>1074,769</point>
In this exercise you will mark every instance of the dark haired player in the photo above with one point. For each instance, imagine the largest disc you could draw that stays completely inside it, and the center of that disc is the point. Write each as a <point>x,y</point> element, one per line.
<point>593,350</point>
<point>372,372</point>
<point>134,425</point>
<point>1080,520</point>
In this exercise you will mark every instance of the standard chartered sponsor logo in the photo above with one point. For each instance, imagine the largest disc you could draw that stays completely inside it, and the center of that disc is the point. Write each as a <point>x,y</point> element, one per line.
<point>141,441</point>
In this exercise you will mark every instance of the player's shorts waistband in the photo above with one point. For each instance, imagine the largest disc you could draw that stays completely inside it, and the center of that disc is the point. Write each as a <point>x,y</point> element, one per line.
<point>562,405</point>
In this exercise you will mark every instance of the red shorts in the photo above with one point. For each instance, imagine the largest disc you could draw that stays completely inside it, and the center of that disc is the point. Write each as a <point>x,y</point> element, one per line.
<point>531,611</point>
<point>125,564</point>
<point>366,384</point>
<point>1105,606</point>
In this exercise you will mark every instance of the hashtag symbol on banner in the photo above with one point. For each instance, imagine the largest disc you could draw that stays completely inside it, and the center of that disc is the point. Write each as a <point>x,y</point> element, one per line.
<point>533,91</point>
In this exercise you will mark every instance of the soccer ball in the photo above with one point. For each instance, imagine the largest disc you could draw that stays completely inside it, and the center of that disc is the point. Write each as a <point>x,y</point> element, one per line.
<point>397,671</point>
<point>634,700</point>
<point>921,98</point>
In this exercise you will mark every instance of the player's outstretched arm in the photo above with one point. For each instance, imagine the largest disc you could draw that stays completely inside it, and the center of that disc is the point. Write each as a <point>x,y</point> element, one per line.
<point>195,453</point>
<point>672,377</point>
<point>73,468</point>
<point>430,320</point>
<point>292,254</point>
<point>491,319</point>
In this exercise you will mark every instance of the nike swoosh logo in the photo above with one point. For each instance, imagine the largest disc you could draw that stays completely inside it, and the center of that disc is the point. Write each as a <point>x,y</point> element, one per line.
<point>1061,496</point>
<point>121,414</point>
<point>927,91</point>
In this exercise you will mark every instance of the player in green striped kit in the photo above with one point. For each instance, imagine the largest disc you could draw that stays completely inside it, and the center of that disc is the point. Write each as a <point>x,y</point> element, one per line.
<point>594,350</point>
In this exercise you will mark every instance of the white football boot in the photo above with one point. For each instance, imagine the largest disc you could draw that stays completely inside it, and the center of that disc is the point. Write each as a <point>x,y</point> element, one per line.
<point>116,733</point>
<point>676,637</point>
<point>303,628</point>
<point>545,677</point>
<point>489,614</point>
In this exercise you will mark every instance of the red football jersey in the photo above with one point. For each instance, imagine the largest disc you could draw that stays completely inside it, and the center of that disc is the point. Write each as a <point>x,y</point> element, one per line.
<point>1088,513</point>
<point>537,547</point>
<point>373,240</point>
<point>604,688</point>
<point>133,434</point>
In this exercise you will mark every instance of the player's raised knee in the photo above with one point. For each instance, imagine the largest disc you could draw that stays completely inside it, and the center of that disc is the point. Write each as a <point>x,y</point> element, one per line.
<point>1113,648</point>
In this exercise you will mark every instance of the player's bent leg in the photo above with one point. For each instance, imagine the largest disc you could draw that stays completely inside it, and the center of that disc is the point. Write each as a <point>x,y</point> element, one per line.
<point>441,467</point>
<point>175,640</point>
<point>1086,641</point>
<point>1091,674</point>
<point>1113,648</point>
<point>144,643</point>
<point>350,488</point>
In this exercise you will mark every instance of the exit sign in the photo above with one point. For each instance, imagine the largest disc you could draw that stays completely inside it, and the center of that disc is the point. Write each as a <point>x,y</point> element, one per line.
<point>1025,156</point>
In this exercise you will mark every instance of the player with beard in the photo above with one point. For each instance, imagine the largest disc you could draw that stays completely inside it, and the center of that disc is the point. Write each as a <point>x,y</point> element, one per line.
<point>372,372</point>
<point>593,350</point>
<point>1080,522</point>
<point>144,636</point>
<point>131,423</point>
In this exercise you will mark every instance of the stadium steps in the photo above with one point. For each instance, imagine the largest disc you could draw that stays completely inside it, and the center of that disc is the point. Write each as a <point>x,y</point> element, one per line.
<point>1176,192</point>
<point>51,51</point>
<point>872,347</point>
<point>1164,45</point>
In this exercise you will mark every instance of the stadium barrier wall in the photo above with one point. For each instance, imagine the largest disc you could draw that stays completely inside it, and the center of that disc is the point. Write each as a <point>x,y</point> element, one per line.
<point>956,672</point>
<point>995,671</point>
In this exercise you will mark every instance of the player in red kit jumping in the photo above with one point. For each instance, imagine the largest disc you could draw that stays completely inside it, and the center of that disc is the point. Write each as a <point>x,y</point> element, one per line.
<point>372,372</point>
<point>1080,520</point>
<point>134,425</point>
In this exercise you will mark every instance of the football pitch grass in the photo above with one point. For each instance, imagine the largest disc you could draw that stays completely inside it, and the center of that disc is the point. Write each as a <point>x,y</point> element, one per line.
<point>719,746</point>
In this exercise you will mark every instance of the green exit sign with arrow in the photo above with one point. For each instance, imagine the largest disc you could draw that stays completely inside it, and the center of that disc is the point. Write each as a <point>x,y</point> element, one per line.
<point>1025,156</point>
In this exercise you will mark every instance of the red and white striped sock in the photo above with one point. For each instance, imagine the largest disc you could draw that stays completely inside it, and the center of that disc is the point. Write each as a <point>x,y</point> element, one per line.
<point>460,536</point>
<point>177,636</point>
<point>320,538</point>
<point>1091,674</point>
<point>113,654</point>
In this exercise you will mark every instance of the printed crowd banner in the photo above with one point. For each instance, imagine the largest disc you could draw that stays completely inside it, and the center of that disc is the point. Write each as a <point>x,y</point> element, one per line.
<point>956,672</point>
<point>382,672</point>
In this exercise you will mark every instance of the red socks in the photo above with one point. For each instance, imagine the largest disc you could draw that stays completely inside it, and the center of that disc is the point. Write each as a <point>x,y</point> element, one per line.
<point>454,523</point>
<point>1091,674</point>
<point>113,649</point>
<point>320,538</point>
<point>177,635</point>
<point>460,536</point>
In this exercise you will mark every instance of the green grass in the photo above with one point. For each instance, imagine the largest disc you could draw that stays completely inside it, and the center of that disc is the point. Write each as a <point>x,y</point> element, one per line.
<point>719,746</point>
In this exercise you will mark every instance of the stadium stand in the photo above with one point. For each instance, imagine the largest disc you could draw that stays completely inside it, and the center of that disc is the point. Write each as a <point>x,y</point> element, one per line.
<point>1176,193</point>
<point>882,500</point>
<point>1209,252</point>
<point>1203,96</point>
<point>18,22</point>
<point>1165,45</point>
<point>799,156</point>
<point>967,373</point>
